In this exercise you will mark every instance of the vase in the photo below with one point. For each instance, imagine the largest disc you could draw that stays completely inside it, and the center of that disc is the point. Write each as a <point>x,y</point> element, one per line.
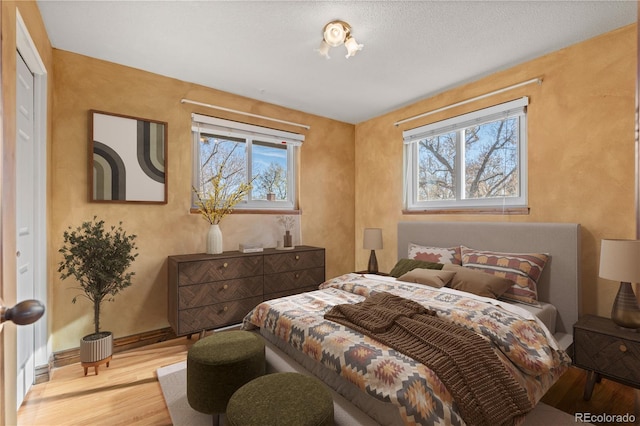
<point>288,239</point>
<point>214,240</point>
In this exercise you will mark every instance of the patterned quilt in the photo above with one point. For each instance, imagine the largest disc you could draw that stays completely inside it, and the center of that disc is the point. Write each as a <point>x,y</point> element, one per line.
<point>524,346</point>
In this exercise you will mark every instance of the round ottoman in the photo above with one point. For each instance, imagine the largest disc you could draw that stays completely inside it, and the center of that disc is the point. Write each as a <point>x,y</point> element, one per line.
<point>283,399</point>
<point>220,364</point>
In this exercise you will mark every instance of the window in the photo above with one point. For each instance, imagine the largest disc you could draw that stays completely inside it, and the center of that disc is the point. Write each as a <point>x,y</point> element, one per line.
<point>260,155</point>
<point>475,160</point>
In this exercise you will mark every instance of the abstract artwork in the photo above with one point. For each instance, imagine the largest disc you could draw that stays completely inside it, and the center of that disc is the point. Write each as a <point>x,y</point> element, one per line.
<point>128,159</point>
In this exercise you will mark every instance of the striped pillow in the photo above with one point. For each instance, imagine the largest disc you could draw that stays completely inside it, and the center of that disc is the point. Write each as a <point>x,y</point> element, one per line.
<point>435,254</point>
<point>524,269</point>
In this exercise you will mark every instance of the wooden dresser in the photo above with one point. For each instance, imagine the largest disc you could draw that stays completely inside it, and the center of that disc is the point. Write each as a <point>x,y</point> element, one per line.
<point>207,291</point>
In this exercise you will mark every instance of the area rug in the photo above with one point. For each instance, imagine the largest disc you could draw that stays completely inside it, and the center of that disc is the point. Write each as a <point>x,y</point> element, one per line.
<point>173,380</point>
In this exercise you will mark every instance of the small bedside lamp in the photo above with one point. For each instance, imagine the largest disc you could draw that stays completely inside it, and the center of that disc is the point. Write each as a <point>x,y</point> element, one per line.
<point>373,242</point>
<point>620,261</point>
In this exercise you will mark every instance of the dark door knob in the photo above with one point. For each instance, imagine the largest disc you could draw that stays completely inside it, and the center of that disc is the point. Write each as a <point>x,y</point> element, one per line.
<point>24,313</point>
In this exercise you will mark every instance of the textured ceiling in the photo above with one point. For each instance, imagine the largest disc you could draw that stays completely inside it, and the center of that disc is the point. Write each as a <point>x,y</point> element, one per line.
<point>266,50</point>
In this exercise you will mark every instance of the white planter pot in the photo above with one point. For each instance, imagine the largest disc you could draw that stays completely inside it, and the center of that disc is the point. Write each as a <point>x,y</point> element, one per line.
<point>95,348</point>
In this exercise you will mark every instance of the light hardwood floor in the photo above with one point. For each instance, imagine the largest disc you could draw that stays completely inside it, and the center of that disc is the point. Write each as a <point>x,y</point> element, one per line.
<point>125,393</point>
<point>128,392</point>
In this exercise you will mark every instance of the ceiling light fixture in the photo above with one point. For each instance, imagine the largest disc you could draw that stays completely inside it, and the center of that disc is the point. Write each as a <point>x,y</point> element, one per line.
<point>336,33</point>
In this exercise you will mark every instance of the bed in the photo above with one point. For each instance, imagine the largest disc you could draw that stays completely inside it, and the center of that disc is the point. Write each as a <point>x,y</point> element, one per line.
<point>379,383</point>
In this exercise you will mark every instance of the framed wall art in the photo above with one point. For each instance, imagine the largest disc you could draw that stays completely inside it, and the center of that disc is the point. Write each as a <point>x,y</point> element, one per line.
<point>128,159</point>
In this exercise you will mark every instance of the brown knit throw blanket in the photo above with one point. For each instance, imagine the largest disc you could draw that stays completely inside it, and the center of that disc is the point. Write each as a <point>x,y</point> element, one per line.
<point>485,392</point>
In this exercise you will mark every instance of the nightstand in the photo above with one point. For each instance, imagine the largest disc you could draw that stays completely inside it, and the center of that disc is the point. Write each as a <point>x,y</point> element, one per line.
<point>606,351</point>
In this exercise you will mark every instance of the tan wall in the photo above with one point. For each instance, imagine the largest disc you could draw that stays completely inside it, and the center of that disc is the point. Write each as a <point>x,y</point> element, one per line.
<point>580,148</point>
<point>82,83</point>
<point>33,21</point>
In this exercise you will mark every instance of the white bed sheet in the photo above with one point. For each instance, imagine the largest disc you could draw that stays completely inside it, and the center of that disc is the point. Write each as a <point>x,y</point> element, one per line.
<point>547,313</point>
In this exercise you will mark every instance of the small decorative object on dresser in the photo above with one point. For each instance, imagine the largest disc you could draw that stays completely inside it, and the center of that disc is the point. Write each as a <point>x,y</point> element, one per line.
<point>604,349</point>
<point>213,291</point>
<point>214,239</point>
<point>250,248</point>
<point>287,222</point>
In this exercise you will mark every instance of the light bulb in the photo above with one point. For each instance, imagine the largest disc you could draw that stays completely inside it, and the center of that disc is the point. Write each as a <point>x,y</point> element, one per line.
<point>334,34</point>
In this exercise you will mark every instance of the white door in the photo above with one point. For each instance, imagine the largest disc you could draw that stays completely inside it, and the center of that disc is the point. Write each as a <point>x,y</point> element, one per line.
<point>25,185</point>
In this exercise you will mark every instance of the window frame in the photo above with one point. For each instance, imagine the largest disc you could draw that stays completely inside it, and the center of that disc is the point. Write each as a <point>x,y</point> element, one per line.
<point>202,124</point>
<point>513,109</point>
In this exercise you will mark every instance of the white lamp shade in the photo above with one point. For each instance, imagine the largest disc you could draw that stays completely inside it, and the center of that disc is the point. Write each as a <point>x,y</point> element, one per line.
<point>352,47</point>
<point>372,239</point>
<point>620,260</point>
<point>323,50</point>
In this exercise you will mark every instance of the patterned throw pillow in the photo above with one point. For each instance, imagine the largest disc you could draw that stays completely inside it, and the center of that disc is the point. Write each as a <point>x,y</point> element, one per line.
<point>524,269</point>
<point>435,254</point>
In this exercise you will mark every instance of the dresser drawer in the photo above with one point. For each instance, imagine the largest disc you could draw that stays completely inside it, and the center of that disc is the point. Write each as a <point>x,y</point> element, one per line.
<point>283,262</point>
<point>192,296</point>
<point>219,269</point>
<point>609,355</point>
<point>284,281</point>
<point>213,316</point>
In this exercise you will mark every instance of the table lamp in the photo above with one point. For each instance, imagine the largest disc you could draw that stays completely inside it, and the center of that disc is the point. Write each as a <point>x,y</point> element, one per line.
<point>620,261</point>
<point>373,242</point>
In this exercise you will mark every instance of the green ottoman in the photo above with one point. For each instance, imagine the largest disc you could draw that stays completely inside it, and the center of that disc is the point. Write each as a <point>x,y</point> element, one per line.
<point>283,399</point>
<point>219,365</point>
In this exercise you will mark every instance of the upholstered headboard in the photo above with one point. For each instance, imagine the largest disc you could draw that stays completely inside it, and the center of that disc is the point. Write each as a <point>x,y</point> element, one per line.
<point>560,281</point>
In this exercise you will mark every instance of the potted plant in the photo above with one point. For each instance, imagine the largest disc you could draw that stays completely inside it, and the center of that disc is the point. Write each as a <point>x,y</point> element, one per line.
<point>219,195</point>
<point>98,259</point>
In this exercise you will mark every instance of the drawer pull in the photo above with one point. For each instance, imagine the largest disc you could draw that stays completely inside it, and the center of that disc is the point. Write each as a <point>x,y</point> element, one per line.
<point>225,309</point>
<point>297,257</point>
<point>226,286</point>
<point>297,276</point>
<point>225,264</point>
<point>623,348</point>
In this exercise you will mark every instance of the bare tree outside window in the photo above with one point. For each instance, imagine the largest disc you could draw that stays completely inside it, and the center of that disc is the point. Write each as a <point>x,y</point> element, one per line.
<point>437,156</point>
<point>224,154</point>
<point>273,180</point>
<point>490,157</point>
<point>269,165</point>
<point>491,160</point>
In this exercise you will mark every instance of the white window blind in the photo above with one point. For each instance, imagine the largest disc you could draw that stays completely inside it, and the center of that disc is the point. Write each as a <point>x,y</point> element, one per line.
<point>205,124</point>
<point>496,112</point>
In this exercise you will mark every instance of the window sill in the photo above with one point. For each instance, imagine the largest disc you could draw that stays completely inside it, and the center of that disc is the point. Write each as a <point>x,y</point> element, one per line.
<point>491,210</point>
<point>257,211</point>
